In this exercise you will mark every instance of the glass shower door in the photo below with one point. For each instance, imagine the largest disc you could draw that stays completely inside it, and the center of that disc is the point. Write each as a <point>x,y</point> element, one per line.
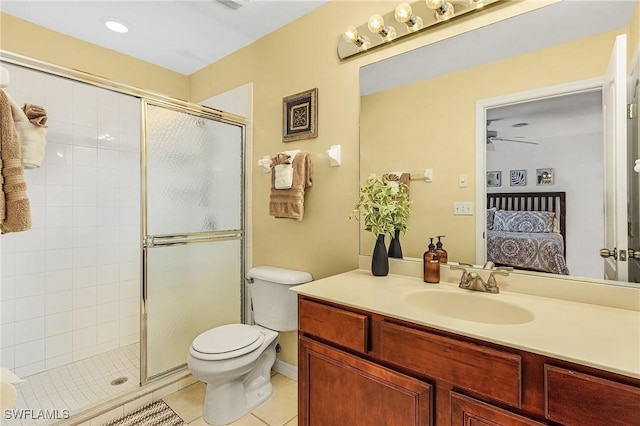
<point>193,232</point>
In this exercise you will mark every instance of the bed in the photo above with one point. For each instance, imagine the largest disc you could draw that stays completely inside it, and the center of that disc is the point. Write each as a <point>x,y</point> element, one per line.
<point>527,230</point>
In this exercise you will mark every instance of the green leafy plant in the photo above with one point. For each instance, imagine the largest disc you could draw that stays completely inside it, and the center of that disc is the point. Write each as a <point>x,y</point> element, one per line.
<point>384,206</point>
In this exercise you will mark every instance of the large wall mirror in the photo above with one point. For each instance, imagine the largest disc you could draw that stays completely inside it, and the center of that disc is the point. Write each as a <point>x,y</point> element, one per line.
<point>419,111</point>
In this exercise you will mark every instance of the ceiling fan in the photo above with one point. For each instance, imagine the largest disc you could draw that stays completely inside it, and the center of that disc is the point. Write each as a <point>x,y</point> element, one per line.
<point>492,136</point>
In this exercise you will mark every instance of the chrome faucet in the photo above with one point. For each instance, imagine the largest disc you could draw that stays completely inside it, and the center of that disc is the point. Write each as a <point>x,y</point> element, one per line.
<point>473,281</point>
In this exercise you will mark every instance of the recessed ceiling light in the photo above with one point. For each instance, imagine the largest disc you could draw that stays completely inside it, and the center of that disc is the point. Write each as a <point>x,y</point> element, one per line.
<point>115,25</point>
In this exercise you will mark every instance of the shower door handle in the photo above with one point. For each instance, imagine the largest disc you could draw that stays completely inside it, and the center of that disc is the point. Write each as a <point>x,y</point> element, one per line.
<point>152,241</point>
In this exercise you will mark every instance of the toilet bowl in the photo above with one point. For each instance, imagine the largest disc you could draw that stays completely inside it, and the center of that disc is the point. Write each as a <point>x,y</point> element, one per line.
<point>235,360</point>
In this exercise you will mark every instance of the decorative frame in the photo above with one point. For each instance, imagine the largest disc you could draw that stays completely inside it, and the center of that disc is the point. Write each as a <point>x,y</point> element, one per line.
<point>494,178</point>
<point>299,116</point>
<point>518,177</point>
<point>544,176</point>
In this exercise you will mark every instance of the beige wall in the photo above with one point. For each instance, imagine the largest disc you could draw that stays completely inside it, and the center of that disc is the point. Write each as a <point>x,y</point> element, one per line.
<point>432,124</point>
<point>36,42</point>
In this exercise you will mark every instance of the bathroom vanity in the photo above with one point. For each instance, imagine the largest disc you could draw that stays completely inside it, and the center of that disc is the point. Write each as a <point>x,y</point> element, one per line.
<point>396,351</point>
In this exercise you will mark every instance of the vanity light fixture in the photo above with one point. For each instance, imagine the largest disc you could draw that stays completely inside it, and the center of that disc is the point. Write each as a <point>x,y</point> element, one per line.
<point>416,17</point>
<point>444,9</point>
<point>376,25</point>
<point>404,15</point>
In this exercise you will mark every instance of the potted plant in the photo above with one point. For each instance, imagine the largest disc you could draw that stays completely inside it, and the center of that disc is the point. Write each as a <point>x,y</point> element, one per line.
<point>384,207</point>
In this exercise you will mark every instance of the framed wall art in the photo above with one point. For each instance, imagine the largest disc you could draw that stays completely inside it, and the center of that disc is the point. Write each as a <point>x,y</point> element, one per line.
<point>300,115</point>
<point>544,176</point>
<point>494,178</point>
<point>518,177</point>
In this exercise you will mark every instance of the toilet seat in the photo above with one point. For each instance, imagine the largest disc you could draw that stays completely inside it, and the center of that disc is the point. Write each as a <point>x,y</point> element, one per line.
<point>226,341</point>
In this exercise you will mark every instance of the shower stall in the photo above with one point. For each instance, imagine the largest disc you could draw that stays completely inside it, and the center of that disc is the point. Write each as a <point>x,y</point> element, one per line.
<point>137,243</point>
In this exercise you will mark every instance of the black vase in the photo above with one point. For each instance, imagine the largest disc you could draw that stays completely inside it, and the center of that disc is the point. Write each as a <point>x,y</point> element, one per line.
<point>395,250</point>
<point>380,260</point>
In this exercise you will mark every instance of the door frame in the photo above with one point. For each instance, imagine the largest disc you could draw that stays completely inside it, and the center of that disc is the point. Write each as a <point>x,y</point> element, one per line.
<point>482,106</point>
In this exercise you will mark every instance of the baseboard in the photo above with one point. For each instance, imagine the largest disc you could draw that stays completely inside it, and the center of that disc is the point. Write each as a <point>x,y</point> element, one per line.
<point>286,369</point>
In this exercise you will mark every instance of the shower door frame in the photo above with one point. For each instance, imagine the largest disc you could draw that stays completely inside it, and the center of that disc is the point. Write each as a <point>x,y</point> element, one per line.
<point>157,99</point>
<point>202,237</point>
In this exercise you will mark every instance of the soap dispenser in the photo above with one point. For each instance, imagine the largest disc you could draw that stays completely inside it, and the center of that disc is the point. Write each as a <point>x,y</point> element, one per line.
<point>431,264</point>
<point>442,253</point>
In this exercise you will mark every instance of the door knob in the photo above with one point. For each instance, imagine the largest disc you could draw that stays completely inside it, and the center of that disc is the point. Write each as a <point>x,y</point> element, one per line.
<point>609,253</point>
<point>634,254</point>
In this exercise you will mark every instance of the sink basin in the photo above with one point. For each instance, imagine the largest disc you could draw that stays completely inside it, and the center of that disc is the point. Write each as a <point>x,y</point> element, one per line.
<point>469,306</point>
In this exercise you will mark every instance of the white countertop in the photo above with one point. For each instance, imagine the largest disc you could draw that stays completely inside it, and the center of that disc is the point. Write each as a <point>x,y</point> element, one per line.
<point>597,336</point>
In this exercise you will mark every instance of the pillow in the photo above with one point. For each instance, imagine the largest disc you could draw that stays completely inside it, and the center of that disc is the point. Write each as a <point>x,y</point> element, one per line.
<point>490,213</point>
<point>523,221</point>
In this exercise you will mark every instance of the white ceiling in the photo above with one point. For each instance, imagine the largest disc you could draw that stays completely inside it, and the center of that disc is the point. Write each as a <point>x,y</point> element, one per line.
<point>181,35</point>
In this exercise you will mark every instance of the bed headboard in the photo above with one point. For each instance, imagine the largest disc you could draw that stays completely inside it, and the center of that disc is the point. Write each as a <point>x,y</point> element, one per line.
<point>533,201</point>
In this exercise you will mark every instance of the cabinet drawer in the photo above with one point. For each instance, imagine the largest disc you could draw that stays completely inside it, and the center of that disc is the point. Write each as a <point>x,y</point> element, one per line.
<point>336,325</point>
<point>577,398</point>
<point>467,411</point>
<point>480,369</point>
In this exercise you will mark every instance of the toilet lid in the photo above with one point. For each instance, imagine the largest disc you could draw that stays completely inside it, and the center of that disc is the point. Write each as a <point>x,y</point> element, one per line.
<point>227,341</point>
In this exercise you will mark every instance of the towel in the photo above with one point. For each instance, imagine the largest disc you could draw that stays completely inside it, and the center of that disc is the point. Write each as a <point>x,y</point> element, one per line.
<point>283,167</point>
<point>36,114</point>
<point>398,177</point>
<point>15,212</point>
<point>289,203</point>
<point>32,137</point>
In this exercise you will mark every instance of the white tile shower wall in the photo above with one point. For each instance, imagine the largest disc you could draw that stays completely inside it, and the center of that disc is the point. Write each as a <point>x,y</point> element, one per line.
<point>70,286</point>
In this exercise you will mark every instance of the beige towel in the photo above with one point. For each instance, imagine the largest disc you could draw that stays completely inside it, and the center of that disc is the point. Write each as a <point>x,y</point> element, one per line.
<point>289,203</point>
<point>15,212</point>
<point>36,114</point>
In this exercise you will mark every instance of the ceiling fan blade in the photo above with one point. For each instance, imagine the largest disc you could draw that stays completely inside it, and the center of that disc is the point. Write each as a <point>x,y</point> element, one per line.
<point>514,140</point>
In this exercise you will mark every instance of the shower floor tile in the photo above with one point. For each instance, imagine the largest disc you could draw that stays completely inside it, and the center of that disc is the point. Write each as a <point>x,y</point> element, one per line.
<point>76,386</point>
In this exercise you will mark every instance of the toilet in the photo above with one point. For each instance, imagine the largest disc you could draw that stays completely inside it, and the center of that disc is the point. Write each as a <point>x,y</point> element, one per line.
<point>235,360</point>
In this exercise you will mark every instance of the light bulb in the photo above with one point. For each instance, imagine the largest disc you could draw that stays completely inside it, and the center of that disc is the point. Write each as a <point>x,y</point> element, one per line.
<point>376,24</point>
<point>403,13</point>
<point>444,9</point>
<point>350,34</point>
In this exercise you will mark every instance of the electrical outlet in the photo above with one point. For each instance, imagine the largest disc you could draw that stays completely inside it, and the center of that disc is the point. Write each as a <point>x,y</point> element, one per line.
<point>463,208</point>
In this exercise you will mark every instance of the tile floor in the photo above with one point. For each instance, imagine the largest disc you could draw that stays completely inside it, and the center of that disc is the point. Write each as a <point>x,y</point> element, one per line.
<point>78,385</point>
<point>279,410</point>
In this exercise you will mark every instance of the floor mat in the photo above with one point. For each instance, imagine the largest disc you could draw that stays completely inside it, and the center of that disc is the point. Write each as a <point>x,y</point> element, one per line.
<point>155,414</point>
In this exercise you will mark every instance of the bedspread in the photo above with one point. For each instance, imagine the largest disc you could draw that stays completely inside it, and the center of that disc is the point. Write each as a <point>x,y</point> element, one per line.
<point>542,251</point>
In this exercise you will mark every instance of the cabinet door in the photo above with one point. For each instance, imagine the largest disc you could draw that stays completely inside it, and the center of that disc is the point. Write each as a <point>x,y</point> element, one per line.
<point>467,411</point>
<point>337,388</point>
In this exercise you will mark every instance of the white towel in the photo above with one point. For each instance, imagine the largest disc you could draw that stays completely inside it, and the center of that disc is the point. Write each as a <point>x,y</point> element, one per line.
<point>32,138</point>
<point>284,171</point>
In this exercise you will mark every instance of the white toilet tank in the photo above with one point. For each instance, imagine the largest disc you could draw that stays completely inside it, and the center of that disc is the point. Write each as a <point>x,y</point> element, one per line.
<point>274,305</point>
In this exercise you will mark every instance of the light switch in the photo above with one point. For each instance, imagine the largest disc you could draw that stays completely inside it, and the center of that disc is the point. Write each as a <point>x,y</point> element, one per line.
<point>428,175</point>
<point>462,181</point>
<point>463,208</point>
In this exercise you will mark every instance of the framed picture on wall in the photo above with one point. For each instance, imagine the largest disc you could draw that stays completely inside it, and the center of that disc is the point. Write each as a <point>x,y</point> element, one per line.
<point>299,116</point>
<point>494,178</point>
<point>544,176</point>
<point>518,177</point>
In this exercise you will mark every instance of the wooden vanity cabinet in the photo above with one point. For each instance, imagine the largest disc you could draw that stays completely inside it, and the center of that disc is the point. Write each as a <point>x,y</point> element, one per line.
<point>360,368</point>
